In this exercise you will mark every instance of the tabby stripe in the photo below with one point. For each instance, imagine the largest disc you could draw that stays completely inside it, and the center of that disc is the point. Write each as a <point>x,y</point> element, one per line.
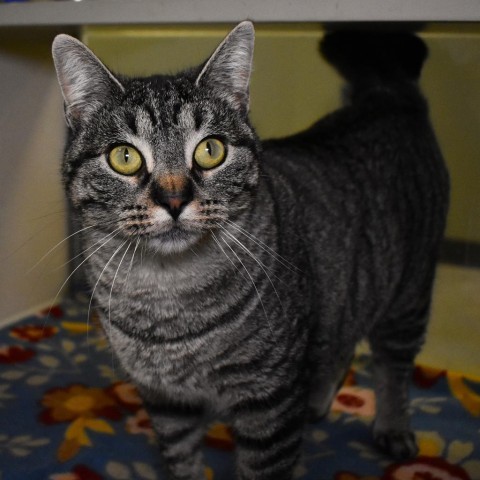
<point>287,430</point>
<point>176,112</point>
<point>198,118</point>
<point>175,456</point>
<point>257,363</point>
<point>74,165</point>
<point>229,351</point>
<point>175,436</point>
<point>131,121</point>
<point>290,450</point>
<point>246,142</point>
<point>275,397</point>
<point>281,410</point>
<point>277,474</point>
<point>151,114</point>
<point>86,202</point>
<point>147,336</point>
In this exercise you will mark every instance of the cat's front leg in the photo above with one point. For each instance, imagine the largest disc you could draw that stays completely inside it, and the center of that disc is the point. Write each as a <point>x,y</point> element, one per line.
<point>180,429</point>
<point>268,435</point>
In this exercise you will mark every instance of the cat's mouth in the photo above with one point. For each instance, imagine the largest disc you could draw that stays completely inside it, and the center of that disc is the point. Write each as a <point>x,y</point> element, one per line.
<point>175,240</point>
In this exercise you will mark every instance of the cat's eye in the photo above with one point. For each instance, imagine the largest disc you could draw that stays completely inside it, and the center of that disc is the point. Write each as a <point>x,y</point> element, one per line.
<point>209,153</point>
<point>125,159</point>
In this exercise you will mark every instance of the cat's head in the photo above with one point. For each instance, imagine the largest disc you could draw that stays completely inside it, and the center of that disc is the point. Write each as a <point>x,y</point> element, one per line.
<point>163,158</point>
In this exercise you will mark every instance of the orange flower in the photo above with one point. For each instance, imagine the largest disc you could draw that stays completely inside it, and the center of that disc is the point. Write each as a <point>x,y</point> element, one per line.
<point>33,333</point>
<point>77,401</point>
<point>15,354</point>
<point>355,400</point>
<point>126,394</point>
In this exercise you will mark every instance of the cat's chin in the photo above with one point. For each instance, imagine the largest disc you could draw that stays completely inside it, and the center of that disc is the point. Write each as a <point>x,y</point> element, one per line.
<point>173,242</point>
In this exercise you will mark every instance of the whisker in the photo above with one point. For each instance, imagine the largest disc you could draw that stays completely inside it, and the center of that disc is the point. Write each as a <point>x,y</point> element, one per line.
<point>262,265</point>
<point>100,276</point>
<point>253,283</point>
<point>115,276</point>
<point>111,290</point>
<point>56,246</point>
<point>225,253</point>
<point>46,215</point>
<point>35,234</point>
<point>131,263</point>
<point>264,246</point>
<point>112,235</point>
<point>142,253</point>
<point>83,252</point>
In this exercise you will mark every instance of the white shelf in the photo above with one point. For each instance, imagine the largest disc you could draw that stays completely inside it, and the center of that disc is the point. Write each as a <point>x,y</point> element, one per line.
<point>121,12</point>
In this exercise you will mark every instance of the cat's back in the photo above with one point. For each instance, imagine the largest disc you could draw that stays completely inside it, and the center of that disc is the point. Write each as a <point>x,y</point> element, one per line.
<point>370,190</point>
<point>376,158</point>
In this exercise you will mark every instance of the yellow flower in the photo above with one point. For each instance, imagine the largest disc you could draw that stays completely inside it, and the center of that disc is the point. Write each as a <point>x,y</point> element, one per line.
<point>466,396</point>
<point>208,473</point>
<point>430,444</point>
<point>76,327</point>
<point>77,401</point>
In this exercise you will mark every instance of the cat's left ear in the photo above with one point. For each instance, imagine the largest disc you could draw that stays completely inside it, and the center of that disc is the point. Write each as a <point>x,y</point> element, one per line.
<point>228,69</point>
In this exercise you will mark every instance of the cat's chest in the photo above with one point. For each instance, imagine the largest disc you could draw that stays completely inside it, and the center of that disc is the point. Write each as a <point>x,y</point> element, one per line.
<point>170,367</point>
<point>168,330</point>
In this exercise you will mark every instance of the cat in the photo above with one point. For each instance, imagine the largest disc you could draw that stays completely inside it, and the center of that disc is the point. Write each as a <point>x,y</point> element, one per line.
<point>234,277</point>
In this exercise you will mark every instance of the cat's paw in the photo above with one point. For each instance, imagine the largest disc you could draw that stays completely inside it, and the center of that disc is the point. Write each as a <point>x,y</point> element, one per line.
<point>397,444</point>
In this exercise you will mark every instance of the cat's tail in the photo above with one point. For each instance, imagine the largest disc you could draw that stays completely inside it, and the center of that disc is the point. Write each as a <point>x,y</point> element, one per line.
<point>375,58</point>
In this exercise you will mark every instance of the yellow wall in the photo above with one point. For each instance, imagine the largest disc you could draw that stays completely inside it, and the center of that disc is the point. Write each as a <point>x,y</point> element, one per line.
<point>292,87</point>
<point>32,209</point>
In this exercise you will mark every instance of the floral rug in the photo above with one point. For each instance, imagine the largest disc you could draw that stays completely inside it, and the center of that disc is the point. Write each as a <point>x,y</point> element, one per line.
<point>65,415</point>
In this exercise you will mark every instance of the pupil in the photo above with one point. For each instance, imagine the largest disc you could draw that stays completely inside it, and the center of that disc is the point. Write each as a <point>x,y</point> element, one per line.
<point>126,155</point>
<point>209,148</point>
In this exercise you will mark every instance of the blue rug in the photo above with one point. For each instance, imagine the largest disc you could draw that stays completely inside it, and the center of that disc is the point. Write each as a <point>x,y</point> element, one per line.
<point>65,415</point>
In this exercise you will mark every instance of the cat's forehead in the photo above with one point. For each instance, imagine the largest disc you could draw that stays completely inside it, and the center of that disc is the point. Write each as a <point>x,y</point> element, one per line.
<point>169,111</point>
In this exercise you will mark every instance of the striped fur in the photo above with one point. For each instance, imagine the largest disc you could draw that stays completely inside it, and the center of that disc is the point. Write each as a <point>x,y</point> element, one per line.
<point>248,305</point>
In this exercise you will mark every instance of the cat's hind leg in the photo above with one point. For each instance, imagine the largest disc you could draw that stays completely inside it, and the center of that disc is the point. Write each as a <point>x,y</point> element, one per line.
<point>394,345</point>
<point>325,382</point>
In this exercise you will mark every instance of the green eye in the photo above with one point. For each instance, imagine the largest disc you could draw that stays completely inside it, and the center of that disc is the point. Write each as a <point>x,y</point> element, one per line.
<point>125,159</point>
<point>209,153</point>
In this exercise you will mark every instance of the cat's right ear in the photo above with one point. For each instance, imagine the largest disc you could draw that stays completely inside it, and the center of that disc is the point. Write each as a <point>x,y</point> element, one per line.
<point>83,78</point>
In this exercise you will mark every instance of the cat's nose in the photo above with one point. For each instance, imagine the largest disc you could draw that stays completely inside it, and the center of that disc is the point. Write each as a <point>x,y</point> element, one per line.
<point>173,200</point>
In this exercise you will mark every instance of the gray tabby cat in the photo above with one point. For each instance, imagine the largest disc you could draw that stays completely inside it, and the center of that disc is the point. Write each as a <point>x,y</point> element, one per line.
<point>233,277</point>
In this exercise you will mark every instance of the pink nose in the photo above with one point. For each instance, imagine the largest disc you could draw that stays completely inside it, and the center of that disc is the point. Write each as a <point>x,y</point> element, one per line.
<point>175,202</point>
<point>172,201</point>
